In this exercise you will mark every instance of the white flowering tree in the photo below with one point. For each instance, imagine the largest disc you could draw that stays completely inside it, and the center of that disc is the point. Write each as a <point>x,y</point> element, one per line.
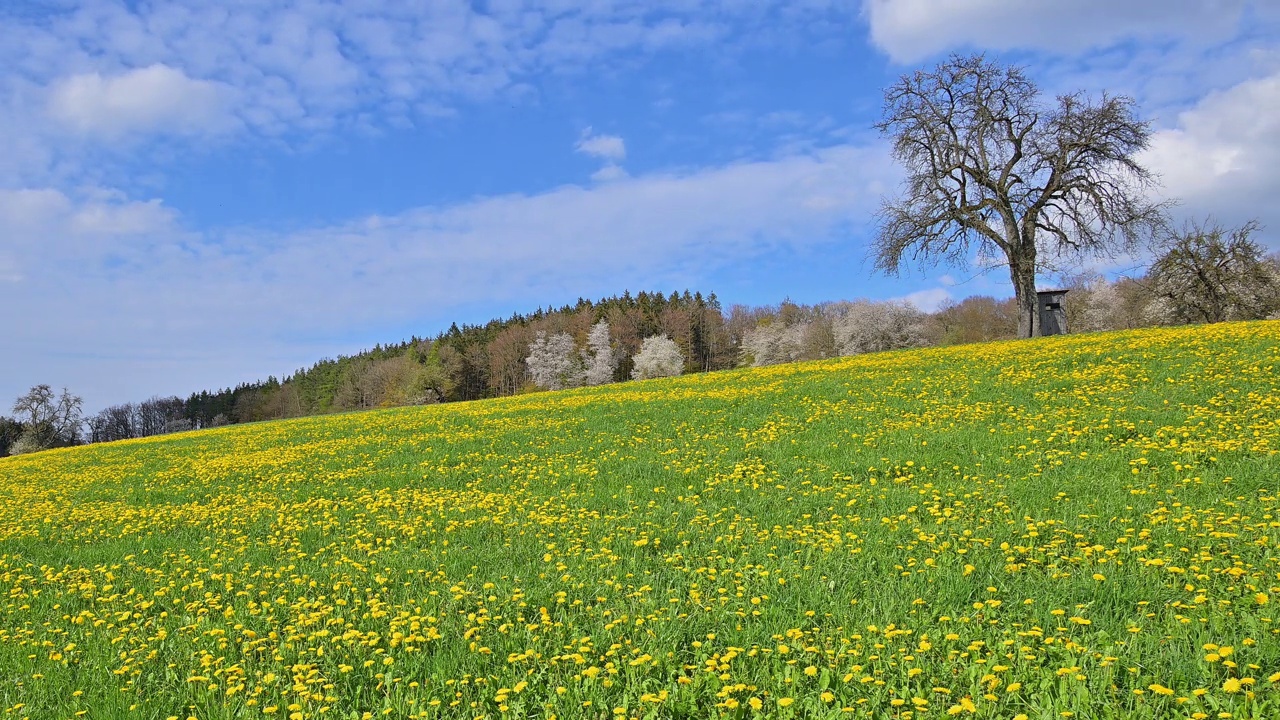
<point>599,357</point>
<point>866,327</point>
<point>659,356</point>
<point>554,363</point>
<point>773,343</point>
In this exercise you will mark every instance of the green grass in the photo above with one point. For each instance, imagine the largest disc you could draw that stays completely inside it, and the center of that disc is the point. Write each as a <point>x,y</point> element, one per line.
<point>1074,526</point>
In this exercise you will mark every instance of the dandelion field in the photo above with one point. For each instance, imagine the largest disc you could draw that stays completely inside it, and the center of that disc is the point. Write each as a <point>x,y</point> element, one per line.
<point>1078,526</point>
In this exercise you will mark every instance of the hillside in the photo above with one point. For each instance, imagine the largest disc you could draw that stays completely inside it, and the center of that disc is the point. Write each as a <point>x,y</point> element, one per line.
<point>1081,524</point>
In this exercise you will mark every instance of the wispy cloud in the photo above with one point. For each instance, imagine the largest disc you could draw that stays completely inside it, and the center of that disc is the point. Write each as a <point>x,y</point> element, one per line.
<point>107,68</point>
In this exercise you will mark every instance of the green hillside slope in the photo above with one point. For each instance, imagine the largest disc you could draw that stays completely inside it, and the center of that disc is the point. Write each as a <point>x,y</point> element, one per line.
<point>1081,524</point>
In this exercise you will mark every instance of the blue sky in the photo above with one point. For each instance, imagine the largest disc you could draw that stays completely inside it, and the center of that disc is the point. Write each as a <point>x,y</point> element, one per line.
<point>197,194</point>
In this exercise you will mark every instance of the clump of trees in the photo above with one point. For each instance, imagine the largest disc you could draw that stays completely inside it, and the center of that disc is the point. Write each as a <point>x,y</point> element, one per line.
<point>1203,273</point>
<point>556,362</point>
<point>156,416</point>
<point>794,332</point>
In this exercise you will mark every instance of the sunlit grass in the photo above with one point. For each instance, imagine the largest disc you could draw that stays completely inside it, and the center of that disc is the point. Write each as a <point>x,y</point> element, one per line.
<point>1080,526</point>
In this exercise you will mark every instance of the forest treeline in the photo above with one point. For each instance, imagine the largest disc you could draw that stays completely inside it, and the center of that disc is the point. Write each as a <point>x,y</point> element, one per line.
<point>470,362</point>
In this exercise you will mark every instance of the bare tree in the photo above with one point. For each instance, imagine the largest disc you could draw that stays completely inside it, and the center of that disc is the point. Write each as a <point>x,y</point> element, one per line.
<point>507,351</point>
<point>993,169</point>
<point>48,420</point>
<point>1210,274</point>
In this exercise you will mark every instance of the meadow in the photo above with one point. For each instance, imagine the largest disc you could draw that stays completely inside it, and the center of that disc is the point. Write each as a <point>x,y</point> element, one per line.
<point>1079,526</point>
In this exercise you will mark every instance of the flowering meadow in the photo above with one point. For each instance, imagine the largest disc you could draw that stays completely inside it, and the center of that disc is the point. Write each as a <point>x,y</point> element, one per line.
<point>1078,526</point>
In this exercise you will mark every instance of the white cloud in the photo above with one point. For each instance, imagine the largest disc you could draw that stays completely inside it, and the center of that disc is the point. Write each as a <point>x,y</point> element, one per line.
<point>1222,157</point>
<point>116,65</point>
<point>912,30</point>
<point>927,300</point>
<point>49,232</point>
<point>609,148</point>
<point>609,173</point>
<point>156,98</point>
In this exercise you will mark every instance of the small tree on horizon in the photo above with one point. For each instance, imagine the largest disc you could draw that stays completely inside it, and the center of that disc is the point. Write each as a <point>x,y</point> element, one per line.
<point>48,419</point>
<point>994,170</point>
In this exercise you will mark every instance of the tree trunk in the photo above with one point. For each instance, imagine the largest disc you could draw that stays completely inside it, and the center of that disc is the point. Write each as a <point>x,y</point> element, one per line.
<point>1023,274</point>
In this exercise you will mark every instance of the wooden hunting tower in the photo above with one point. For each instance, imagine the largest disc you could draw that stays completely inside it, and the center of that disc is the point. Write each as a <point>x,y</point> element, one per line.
<point>1053,317</point>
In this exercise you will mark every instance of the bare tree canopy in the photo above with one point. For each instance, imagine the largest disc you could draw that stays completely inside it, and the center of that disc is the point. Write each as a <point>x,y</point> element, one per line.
<point>1210,274</point>
<point>49,420</point>
<point>994,170</point>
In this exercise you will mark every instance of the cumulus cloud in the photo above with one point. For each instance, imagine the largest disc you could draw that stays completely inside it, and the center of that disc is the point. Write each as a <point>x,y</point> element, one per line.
<point>157,98</point>
<point>610,148</point>
<point>1222,156</point>
<point>912,30</point>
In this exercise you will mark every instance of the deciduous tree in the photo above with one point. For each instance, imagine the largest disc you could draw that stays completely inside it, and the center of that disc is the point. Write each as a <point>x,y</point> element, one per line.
<point>599,357</point>
<point>554,362</point>
<point>865,327</point>
<point>49,420</point>
<point>1208,273</point>
<point>995,170</point>
<point>659,356</point>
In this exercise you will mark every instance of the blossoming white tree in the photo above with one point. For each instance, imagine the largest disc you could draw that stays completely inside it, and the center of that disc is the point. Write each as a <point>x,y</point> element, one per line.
<point>554,363</point>
<point>659,356</point>
<point>864,327</point>
<point>599,356</point>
